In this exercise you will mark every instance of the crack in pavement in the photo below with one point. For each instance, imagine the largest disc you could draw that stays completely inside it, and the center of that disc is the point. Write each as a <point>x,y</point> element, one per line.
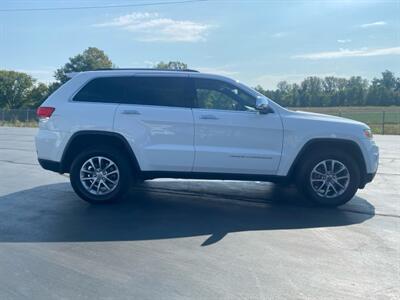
<point>17,149</point>
<point>18,163</point>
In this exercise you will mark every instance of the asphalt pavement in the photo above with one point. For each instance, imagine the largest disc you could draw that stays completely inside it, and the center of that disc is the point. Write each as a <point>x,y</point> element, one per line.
<point>193,239</point>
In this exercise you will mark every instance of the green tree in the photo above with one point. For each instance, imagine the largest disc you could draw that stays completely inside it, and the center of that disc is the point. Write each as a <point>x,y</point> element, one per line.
<point>38,94</point>
<point>311,91</point>
<point>91,59</point>
<point>15,89</point>
<point>171,65</point>
<point>268,93</point>
<point>356,90</point>
<point>385,90</point>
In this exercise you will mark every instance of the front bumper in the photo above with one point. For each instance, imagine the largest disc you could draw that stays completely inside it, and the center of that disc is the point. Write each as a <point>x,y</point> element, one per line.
<point>368,177</point>
<point>50,165</point>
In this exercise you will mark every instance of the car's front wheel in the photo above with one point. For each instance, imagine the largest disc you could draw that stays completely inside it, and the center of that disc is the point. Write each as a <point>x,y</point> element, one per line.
<point>100,175</point>
<point>329,178</point>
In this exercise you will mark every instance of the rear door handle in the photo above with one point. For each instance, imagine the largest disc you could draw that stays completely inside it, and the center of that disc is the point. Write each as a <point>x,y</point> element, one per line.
<point>130,112</point>
<point>208,117</point>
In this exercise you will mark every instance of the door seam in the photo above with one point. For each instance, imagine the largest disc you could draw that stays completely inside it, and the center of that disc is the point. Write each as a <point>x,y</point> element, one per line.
<point>194,141</point>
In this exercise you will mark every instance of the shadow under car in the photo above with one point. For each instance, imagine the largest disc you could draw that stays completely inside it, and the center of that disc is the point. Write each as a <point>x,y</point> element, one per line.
<point>162,210</point>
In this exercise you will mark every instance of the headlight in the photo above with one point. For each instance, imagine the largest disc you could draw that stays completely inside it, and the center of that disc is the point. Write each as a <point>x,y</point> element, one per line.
<point>368,133</point>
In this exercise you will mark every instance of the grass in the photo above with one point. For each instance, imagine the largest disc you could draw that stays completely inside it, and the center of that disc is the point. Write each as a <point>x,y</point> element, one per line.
<point>17,123</point>
<point>374,116</point>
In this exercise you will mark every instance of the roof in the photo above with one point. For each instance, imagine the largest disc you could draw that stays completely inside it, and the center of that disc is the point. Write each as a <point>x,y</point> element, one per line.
<point>124,71</point>
<point>146,69</point>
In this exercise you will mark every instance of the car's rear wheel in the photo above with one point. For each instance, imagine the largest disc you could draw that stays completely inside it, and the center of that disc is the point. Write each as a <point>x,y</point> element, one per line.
<point>100,175</point>
<point>329,178</point>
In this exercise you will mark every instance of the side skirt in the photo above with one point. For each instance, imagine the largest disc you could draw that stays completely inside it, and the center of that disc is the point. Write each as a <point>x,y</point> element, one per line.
<point>212,176</point>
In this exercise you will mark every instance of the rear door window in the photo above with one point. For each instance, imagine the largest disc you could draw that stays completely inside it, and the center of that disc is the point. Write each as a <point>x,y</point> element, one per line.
<point>159,91</point>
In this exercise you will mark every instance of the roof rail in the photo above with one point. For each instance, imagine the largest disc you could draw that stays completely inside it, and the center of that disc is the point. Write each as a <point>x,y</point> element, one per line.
<point>145,69</point>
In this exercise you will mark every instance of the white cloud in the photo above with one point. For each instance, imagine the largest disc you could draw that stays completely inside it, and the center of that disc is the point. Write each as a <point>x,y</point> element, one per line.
<point>374,24</point>
<point>344,41</point>
<point>150,27</point>
<point>363,52</point>
<point>43,75</point>
<point>217,70</point>
<point>279,35</point>
<point>150,63</point>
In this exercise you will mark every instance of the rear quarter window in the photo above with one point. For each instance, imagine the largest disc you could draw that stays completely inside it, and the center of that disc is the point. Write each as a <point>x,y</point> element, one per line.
<point>104,89</point>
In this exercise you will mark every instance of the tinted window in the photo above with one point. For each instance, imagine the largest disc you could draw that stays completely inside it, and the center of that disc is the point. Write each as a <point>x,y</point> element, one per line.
<point>162,91</point>
<point>215,94</point>
<point>146,90</point>
<point>104,89</point>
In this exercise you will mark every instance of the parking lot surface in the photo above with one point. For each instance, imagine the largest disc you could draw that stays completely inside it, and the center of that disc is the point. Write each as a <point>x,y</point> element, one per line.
<point>180,239</point>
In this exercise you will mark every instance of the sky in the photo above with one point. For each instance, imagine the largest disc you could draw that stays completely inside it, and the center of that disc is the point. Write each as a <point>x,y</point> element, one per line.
<point>257,42</point>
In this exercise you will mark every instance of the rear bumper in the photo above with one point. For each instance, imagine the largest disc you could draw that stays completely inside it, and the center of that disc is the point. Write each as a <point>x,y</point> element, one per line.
<point>50,165</point>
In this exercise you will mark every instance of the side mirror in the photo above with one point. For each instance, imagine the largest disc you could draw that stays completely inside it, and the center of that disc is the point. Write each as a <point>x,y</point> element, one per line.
<point>262,105</point>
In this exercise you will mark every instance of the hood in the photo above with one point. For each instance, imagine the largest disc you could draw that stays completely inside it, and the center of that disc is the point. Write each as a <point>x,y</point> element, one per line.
<point>329,118</point>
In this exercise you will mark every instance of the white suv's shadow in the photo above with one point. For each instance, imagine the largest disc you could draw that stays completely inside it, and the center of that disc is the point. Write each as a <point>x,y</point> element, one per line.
<point>165,209</point>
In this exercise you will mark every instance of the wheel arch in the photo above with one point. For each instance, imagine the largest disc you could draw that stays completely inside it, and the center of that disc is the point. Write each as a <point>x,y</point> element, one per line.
<point>87,138</point>
<point>319,144</point>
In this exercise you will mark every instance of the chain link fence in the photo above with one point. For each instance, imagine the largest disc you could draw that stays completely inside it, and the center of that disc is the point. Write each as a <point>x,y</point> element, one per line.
<point>18,117</point>
<point>381,121</point>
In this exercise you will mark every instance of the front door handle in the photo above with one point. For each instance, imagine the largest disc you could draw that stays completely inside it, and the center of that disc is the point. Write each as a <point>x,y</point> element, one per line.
<point>130,112</point>
<point>208,117</point>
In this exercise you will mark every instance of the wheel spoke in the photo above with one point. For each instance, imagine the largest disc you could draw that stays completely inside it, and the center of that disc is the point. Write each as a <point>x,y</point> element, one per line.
<point>94,181</point>
<point>87,171</point>
<point>321,186</point>
<point>325,166</point>
<point>112,172</point>
<point>106,186</point>
<point>340,170</point>
<point>342,177</point>
<point>319,173</point>
<point>313,180</point>
<point>108,179</point>
<point>110,165</point>
<point>327,189</point>
<point>333,187</point>
<point>339,184</point>
<point>98,187</point>
<point>92,163</point>
<point>99,159</point>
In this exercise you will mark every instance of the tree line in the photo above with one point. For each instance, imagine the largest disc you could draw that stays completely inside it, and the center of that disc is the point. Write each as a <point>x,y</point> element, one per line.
<point>333,91</point>
<point>20,90</point>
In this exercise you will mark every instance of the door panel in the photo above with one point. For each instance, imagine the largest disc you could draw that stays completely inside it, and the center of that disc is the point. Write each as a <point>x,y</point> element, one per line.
<point>237,141</point>
<point>161,137</point>
<point>158,122</point>
<point>231,136</point>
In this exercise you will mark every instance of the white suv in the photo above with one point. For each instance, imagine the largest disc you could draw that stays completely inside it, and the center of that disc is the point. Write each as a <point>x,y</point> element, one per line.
<point>107,128</point>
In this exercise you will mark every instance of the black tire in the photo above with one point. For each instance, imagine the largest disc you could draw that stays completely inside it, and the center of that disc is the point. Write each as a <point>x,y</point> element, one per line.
<point>123,167</point>
<point>303,180</point>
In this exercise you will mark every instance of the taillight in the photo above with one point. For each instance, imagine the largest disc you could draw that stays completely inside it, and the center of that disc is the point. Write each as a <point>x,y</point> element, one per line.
<point>44,112</point>
<point>368,134</point>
